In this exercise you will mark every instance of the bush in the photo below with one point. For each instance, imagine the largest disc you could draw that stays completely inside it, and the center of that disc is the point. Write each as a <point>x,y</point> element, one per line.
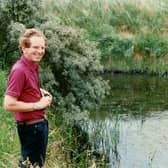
<point>72,65</point>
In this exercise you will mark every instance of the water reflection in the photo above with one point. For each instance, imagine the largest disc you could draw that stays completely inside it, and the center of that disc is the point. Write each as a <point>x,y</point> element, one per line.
<point>132,125</point>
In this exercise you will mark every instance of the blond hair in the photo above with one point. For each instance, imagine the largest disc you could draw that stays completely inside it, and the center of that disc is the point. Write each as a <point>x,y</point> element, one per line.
<point>24,39</point>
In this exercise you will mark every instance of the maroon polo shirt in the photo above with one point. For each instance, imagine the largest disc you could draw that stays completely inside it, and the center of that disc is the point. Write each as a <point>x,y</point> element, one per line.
<point>23,83</point>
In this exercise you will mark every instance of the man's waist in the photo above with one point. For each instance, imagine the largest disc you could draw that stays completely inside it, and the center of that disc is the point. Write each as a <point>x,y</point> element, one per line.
<point>31,121</point>
<point>22,116</point>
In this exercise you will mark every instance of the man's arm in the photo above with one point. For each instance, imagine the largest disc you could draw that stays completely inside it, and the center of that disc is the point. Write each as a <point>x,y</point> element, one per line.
<point>12,104</point>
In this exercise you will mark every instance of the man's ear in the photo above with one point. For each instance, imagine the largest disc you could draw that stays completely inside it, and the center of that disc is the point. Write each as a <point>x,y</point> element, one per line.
<point>22,48</point>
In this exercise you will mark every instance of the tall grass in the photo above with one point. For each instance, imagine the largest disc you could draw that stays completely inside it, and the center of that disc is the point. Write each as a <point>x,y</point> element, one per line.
<point>95,14</point>
<point>143,22</point>
<point>9,146</point>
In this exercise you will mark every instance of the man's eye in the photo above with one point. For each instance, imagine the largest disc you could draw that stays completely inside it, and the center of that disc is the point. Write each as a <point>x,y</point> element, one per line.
<point>35,47</point>
<point>42,48</point>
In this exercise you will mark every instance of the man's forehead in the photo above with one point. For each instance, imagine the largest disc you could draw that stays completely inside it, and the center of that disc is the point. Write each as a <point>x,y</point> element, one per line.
<point>34,40</point>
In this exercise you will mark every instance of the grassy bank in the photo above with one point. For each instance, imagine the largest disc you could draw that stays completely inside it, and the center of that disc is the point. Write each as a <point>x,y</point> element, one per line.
<point>131,35</point>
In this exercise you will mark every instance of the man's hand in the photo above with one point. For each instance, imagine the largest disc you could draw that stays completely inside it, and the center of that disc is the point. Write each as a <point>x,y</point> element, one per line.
<point>44,92</point>
<point>44,102</point>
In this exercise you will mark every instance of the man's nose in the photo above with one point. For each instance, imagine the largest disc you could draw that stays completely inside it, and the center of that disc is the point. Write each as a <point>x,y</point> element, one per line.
<point>40,50</point>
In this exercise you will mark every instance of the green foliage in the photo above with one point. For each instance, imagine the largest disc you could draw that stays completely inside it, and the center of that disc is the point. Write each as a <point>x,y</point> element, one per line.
<point>74,66</point>
<point>11,11</point>
<point>3,84</point>
<point>124,14</point>
<point>9,147</point>
<point>151,45</point>
<point>3,29</point>
<point>117,47</point>
<point>78,144</point>
<point>132,17</point>
<point>14,30</point>
<point>24,11</point>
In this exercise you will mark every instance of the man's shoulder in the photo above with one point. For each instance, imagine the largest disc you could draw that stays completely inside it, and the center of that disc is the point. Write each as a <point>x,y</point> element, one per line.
<point>18,69</point>
<point>19,66</point>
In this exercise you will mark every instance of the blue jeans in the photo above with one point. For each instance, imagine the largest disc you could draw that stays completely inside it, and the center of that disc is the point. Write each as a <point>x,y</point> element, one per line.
<point>33,140</point>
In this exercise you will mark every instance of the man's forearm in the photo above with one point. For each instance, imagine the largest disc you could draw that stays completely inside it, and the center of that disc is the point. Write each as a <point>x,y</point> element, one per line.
<point>13,105</point>
<point>19,106</point>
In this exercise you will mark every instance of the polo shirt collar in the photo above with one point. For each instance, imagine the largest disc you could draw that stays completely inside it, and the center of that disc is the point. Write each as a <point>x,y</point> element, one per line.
<point>29,63</point>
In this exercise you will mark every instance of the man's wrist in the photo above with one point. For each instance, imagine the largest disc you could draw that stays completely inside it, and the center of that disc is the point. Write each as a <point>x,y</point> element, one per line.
<point>36,106</point>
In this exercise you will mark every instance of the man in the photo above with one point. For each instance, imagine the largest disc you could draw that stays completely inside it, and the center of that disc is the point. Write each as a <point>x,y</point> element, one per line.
<point>27,100</point>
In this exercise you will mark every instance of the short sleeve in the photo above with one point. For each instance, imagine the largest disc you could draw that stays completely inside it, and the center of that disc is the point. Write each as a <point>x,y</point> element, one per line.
<point>15,83</point>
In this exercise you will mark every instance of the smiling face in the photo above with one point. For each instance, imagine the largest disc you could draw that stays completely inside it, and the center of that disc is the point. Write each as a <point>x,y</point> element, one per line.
<point>36,50</point>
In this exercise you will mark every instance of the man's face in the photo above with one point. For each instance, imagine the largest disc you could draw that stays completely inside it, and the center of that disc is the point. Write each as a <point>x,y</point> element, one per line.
<point>36,50</point>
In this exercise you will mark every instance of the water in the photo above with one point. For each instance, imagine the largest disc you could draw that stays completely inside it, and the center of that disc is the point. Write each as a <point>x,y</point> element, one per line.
<point>131,128</point>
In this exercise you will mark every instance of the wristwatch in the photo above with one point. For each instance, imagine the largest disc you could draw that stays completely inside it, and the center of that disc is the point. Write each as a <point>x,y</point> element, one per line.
<point>35,106</point>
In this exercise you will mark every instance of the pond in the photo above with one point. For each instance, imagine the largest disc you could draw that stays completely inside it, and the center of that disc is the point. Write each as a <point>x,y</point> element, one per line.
<point>131,127</point>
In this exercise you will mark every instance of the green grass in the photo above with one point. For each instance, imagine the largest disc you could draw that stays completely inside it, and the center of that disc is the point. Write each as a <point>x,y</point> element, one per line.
<point>9,145</point>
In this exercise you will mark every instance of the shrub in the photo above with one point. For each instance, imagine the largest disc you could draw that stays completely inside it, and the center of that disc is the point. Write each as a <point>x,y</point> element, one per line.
<point>73,67</point>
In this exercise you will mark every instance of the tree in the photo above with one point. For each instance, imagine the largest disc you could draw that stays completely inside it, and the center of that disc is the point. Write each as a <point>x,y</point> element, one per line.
<point>11,11</point>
